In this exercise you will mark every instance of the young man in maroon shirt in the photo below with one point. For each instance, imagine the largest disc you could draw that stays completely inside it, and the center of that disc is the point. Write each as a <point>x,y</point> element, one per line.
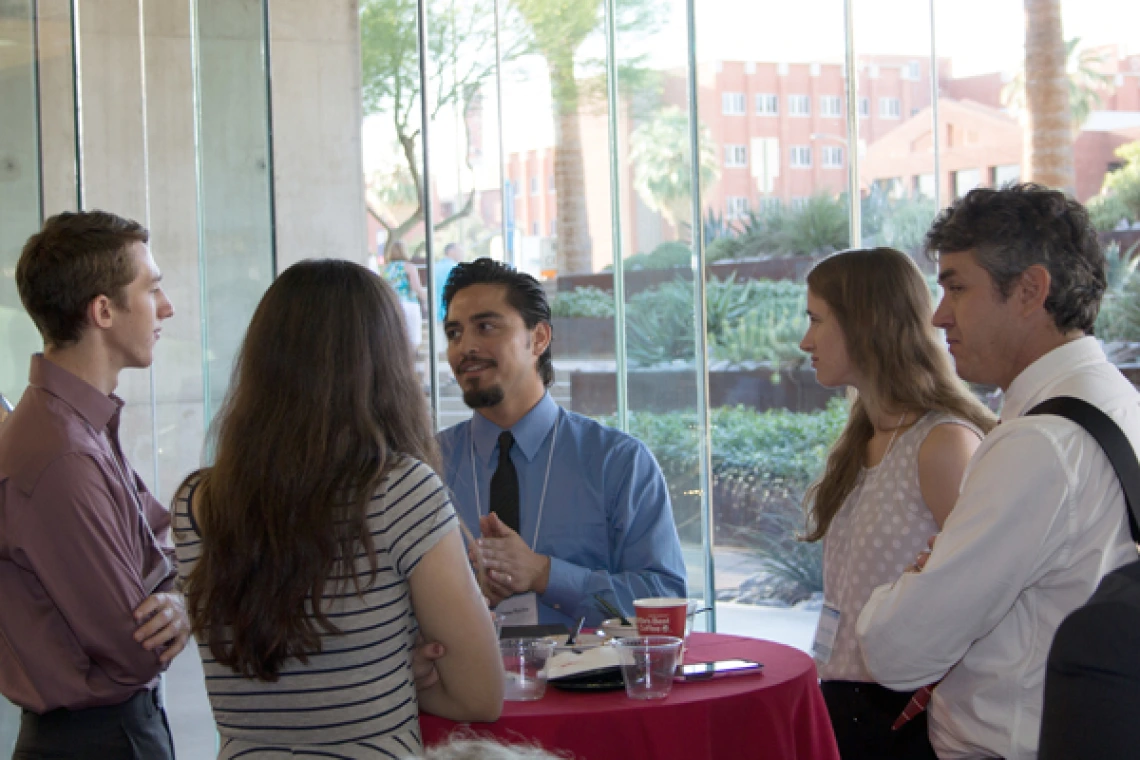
<point>86,564</point>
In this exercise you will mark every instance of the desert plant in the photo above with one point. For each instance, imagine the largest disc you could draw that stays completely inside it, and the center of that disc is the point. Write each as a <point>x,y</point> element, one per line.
<point>747,321</point>
<point>723,248</point>
<point>905,223</point>
<point>1119,265</point>
<point>817,226</point>
<point>783,555</point>
<point>659,325</point>
<point>1119,317</point>
<point>762,336</point>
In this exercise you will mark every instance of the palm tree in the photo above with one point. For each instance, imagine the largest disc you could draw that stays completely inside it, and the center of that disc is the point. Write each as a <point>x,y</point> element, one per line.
<point>663,168</point>
<point>1048,149</point>
<point>1087,84</point>
<point>557,29</point>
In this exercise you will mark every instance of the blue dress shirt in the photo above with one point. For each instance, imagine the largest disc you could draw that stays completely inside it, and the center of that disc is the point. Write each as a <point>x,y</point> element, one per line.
<point>607,523</point>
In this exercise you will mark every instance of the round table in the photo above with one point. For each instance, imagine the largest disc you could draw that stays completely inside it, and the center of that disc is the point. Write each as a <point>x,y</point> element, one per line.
<point>774,714</point>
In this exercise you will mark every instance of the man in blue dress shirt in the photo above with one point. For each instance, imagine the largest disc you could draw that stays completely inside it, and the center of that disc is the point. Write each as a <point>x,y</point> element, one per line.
<point>593,510</point>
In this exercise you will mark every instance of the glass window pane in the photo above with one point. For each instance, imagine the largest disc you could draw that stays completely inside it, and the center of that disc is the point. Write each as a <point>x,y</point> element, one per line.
<point>766,219</point>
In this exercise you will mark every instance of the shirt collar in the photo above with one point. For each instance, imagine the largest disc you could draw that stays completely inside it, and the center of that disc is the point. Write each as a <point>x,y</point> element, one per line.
<point>529,432</point>
<point>1026,388</point>
<point>87,400</point>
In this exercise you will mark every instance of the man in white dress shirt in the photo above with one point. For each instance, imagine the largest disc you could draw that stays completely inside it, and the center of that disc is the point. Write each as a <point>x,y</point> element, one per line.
<point>1041,516</point>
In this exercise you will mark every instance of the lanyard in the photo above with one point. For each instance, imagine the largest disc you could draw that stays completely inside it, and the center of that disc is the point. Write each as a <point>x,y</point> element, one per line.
<point>545,482</point>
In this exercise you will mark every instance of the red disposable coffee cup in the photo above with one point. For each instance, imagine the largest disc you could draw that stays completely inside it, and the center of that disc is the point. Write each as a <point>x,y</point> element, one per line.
<point>661,617</point>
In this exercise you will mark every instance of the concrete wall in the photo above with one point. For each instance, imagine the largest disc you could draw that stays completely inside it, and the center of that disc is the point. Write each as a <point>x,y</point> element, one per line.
<point>200,181</point>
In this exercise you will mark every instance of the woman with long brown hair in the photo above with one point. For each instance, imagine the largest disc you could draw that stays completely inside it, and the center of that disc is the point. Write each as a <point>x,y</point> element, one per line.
<point>320,541</point>
<point>892,477</point>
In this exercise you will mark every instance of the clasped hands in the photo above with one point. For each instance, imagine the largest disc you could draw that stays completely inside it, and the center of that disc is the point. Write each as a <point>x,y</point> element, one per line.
<point>923,556</point>
<point>504,564</point>
<point>162,622</point>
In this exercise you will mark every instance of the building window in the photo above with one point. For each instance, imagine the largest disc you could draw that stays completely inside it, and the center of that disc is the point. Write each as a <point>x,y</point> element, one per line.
<point>831,106</point>
<point>550,183</point>
<point>534,229</point>
<point>553,227</point>
<point>769,203</point>
<point>924,185</point>
<point>889,108</point>
<point>832,156</point>
<point>911,71</point>
<point>965,180</point>
<point>798,203</point>
<point>767,104</point>
<point>534,185</point>
<point>799,105</point>
<point>735,155</point>
<point>801,156</point>
<point>732,103</point>
<point>1003,175</point>
<point>736,207</point>
<point>864,108</point>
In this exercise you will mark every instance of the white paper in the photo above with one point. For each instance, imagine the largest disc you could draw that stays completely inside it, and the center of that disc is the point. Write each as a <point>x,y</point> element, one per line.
<point>521,609</point>
<point>825,634</point>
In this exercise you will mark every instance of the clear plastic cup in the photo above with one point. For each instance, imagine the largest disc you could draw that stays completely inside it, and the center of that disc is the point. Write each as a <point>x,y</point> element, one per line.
<point>524,668</point>
<point>648,664</point>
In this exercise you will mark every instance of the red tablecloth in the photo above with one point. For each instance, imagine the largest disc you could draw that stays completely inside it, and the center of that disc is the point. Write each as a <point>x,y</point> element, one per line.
<point>776,714</point>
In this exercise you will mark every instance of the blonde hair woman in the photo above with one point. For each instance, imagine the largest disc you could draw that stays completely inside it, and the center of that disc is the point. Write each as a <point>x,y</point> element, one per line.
<point>403,276</point>
<point>892,477</point>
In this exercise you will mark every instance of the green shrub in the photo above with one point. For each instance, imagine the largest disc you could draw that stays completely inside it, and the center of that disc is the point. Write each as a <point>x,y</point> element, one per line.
<point>1107,211</point>
<point>1124,183</point>
<point>723,248</point>
<point>667,255</point>
<point>762,462</point>
<point>583,302</point>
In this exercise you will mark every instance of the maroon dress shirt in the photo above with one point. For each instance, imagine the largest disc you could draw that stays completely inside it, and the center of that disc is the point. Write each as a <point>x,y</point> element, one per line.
<point>82,544</point>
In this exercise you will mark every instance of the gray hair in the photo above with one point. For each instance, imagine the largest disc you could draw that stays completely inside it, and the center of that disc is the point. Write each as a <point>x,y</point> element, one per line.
<point>1019,226</point>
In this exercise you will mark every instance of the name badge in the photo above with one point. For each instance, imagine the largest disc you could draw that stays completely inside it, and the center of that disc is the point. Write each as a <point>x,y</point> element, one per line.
<point>825,634</point>
<point>521,609</point>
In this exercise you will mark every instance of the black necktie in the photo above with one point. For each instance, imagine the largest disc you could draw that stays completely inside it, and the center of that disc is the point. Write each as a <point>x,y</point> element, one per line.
<point>505,485</point>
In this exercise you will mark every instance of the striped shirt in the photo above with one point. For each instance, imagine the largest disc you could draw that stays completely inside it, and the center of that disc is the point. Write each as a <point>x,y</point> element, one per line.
<point>356,697</point>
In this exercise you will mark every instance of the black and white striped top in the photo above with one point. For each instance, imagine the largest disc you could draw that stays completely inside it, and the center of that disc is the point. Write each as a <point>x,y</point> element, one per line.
<point>355,698</point>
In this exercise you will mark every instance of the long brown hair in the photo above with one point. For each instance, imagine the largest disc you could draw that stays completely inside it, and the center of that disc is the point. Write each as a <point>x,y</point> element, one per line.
<point>324,400</point>
<point>884,310</point>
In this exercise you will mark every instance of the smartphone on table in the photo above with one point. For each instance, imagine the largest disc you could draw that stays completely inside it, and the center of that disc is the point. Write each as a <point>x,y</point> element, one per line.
<point>698,671</point>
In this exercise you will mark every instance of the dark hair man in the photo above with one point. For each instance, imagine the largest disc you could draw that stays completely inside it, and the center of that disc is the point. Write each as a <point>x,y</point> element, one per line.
<point>1040,517</point>
<point>90,618</point>
<point>567,507</point>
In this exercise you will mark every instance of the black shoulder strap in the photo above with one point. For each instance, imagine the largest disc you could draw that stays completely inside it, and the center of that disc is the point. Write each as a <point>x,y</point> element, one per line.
<point>1111,438</point>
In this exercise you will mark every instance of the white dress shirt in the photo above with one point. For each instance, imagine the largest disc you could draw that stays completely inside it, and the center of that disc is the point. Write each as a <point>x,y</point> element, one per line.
<point>1039,520</point>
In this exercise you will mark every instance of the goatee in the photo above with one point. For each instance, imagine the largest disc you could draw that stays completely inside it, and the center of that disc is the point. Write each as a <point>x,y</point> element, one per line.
<point>481,398</point>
